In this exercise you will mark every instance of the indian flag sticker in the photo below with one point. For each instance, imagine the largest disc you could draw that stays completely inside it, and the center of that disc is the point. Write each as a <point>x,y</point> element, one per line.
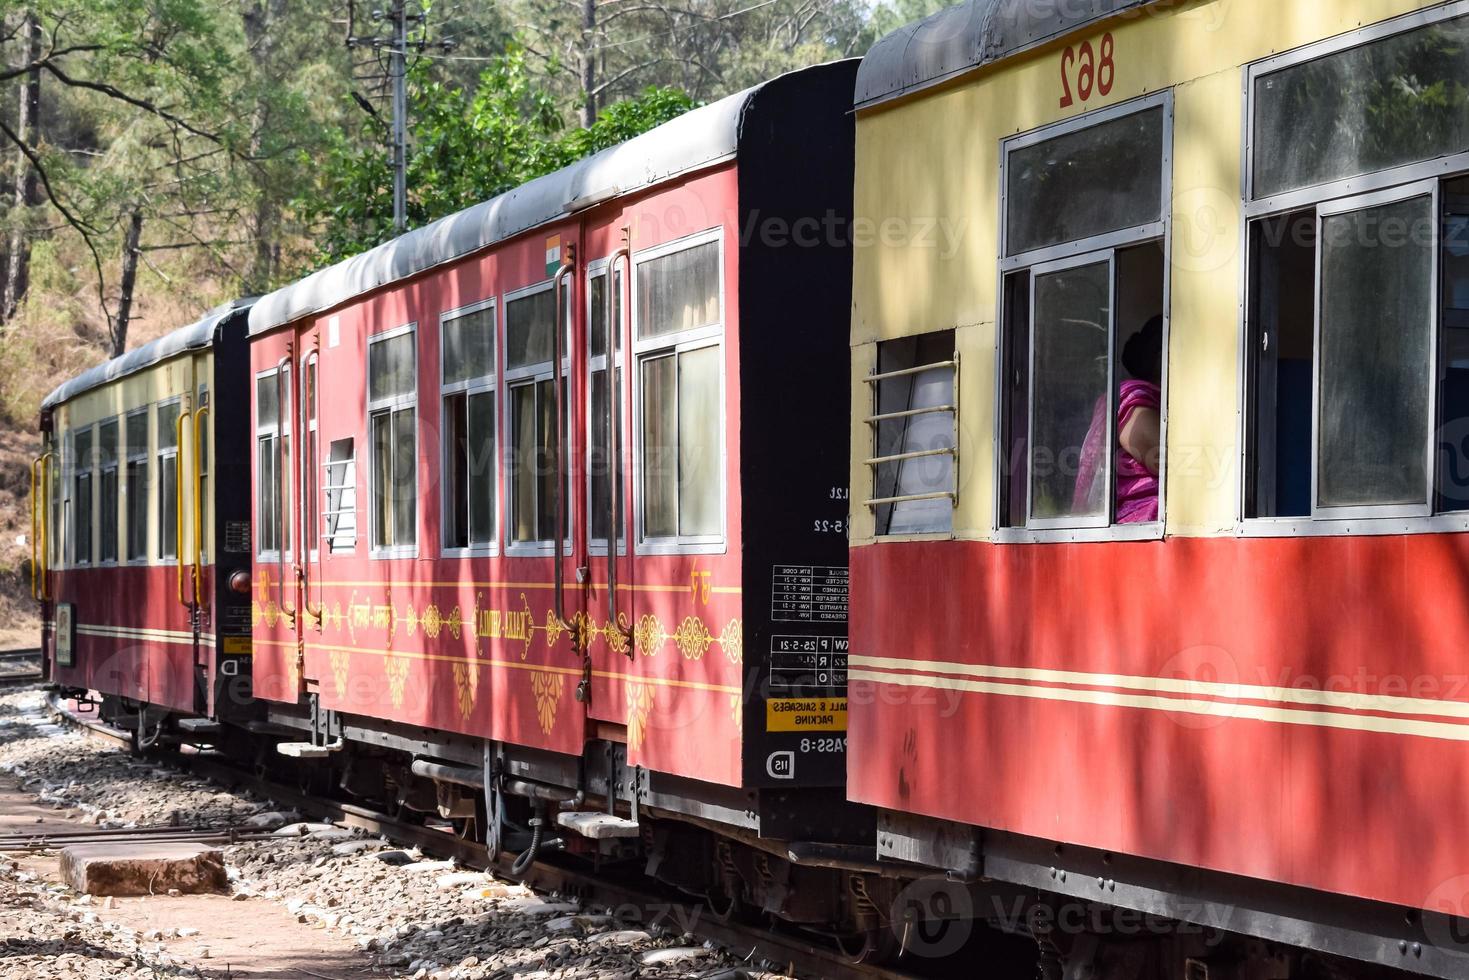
<point>553,254</point>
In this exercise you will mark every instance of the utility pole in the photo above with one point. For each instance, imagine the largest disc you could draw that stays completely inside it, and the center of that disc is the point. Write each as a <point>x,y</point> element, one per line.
<point>398,69</point>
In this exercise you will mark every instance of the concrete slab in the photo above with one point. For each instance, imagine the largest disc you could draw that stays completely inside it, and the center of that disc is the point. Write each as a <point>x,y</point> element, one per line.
<point>141,868</point>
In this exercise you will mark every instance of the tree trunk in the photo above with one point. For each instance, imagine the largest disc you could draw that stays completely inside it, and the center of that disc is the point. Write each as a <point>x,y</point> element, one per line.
<point>588,63</point>
<point>260,19</point>
<point>28,125</point>
<point>130,254</point>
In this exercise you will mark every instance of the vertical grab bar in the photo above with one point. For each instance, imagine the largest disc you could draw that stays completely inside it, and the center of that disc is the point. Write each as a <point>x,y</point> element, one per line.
<point>568,265</point>
<point>283,481</point>
<point>614,419</point>
<point>198,496</point>
<point>309,465</point>
<point>178,506</point>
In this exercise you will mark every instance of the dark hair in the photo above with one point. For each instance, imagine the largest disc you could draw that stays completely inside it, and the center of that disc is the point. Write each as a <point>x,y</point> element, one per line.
<point>1142,355</point>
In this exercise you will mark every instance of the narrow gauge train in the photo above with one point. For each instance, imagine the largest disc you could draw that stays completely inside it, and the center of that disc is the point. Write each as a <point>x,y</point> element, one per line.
<point>1220,678</point>
<point>583,585</point>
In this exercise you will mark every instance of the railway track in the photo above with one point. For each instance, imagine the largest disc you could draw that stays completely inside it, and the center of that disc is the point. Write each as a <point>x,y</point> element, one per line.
<point>752,943</point>
<point>20,666</point>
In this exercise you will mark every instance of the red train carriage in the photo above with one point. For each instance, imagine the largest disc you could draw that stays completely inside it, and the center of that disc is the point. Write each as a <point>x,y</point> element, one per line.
<point>141,505</point>
<point>432,568</point>
<point>1213,671</point>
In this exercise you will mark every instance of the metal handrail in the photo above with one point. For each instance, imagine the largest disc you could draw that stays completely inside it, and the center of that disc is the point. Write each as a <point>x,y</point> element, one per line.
<point>905,372</point>
<point>309,489</point>
<point>910,413</point>
<point>917,454</point>
<point>941,495</point>
<point>568,265</point>
<point>178,506</point>
<point>200,433</point>
<point>38,521</point>
<point>282,482</point>
<point>614,425</point>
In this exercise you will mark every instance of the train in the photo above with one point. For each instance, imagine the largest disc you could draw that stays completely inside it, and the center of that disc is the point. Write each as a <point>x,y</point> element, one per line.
<point>1013,478</point>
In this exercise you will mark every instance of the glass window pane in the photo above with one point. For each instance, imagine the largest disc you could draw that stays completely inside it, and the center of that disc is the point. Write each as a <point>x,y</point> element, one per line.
<point>659,448</point>
<point>267,404</point>
<point>168,526</point>
<point>341,495</point>
<point>82,453</point>
<point>456,479</point>
<point>405,479</point>
<point>135,494</point>
<point>546,464</point>
<point>382,480</point>
<point>390,367</point>
<point>266,496</point>
<point>108,507</point>
<point>678,291</point>
<point>1375,349</point>
<point>524,460</point>
<point>1089,182</point>
<point>916,433</point>
<point>597,316</point>
<point>480,446</point>
<point>469,346</point>
<point>1069,451</point>
<point>528,336</point>
<point>82,508</point>
<point>597,458</point>
<point>698,442</point>
<point>1380,105</point>
<point>107,443</point>
<point>167,426</point>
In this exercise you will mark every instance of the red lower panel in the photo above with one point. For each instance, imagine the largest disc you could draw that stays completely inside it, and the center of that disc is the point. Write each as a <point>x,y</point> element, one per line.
<point>1164,699</point>
<point>133,638</point>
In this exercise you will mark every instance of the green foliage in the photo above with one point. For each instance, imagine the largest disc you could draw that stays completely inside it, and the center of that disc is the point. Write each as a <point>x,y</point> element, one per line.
<point>467,147</point>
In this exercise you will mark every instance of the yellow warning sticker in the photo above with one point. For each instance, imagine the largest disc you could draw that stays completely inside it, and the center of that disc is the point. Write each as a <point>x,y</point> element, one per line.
<point>237,644</point>
<point>806,715</point>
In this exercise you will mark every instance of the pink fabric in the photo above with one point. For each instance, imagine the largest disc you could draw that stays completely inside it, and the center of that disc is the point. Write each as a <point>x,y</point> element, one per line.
<point>1137,489</point>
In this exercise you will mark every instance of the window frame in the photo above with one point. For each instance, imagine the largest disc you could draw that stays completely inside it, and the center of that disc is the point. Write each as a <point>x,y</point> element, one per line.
<point>100,470</point>
<point>1056,258</point>
<point>619,356</point>
<point>74,471</point>
<point>1311,195</point>
<point>391,406</point>
<point>532,375</point>
<point>681,342</point>
<point>479,385</point>
<point>130,455</point>
<point>1370,520</point>
<point>161,457</point>
<point>281,428</point>
<point>309,413</point>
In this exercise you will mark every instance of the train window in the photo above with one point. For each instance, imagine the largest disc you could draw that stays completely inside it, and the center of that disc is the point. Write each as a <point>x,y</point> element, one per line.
<point>136,485</point>
<point>392,360</point>
<point>272,448</point>
<point>1084,321</point>
<point>679,329</point>
<point>529,319</point>
<point>1086,182</point>
<point>1371,107</point>
<point>310,491</point>
<point>168,452</point>
<point>469,428</point>
<point>204,496</point>
<point>107,504</point>
<point>604,319</point>
<point>83,466</point>
<point>913,422</point>
<point>341,496</point>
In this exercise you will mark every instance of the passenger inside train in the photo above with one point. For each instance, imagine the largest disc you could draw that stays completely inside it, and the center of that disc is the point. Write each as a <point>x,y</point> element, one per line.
<point>1139,425</point>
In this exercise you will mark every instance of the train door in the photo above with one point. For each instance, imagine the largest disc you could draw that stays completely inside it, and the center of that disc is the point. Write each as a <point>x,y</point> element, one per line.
<point>610,566</point>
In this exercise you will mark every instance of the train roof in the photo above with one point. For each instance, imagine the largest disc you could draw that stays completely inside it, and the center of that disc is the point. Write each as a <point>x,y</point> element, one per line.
<point>195,336</point>
<point>979,32</point>
<point>697,139</point>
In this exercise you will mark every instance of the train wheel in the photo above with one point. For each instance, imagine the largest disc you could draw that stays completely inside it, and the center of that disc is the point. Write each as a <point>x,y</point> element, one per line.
<point>874,946</point>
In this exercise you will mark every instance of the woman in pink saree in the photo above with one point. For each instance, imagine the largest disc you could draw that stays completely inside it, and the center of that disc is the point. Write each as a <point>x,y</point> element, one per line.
<point>1139,429</point>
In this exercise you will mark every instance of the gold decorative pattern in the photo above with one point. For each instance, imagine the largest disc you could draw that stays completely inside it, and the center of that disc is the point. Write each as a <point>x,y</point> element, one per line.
<point>554,628</point>
<point>692,637</point>
<point>339,661</point>
<point>397,670</point>
<point>732,641</point>
<point>431,622</point>
<point>639,704</point>
<point>410,619</point>
<point>649,635</point>
<point>466,680</point>
<point>547,688</point>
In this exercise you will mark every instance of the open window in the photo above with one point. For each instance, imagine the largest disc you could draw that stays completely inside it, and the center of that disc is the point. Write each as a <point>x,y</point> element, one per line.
<point>678,344</point>
<point>392,408</point>
<point>1358,316</point>
<point>913,422</point>
<point>469,428</point>
<point>530,316</point>
<point>1085,322</point>
<point>341,496</point>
